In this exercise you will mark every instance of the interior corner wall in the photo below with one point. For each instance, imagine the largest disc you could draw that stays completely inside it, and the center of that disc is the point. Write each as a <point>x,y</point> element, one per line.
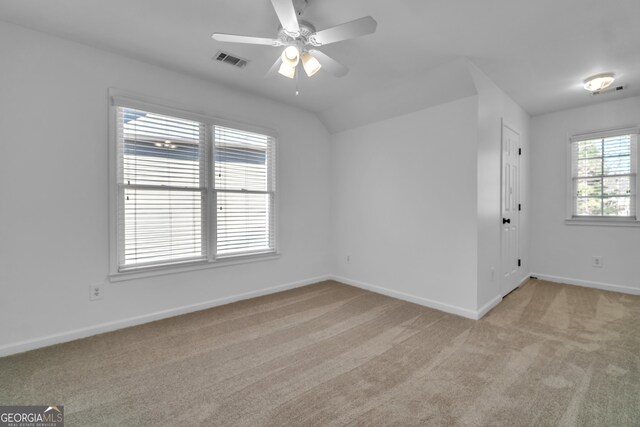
<point>404,203</point>
<point>494,106</point>
<point>54,191</point>
<point>564,252</point>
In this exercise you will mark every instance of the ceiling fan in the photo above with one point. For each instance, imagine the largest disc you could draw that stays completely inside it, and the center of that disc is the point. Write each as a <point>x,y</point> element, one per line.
<point>301,40</point>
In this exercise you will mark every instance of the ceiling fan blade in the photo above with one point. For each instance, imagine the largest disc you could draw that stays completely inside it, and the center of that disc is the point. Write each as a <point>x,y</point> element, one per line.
<point>287,16</point>
<point>349,30</point>
<point>232,38</point>
<point>274,68</point>
<point>329,64</point>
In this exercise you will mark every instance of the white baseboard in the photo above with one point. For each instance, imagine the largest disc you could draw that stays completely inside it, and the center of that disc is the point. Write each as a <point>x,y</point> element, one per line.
<point>448,308</point>
<point>482,311</point>
<point>588,284</point>
<point>48,340</point>
<point>524,280</point>
<point>45,341</point>
<point>488,306</point>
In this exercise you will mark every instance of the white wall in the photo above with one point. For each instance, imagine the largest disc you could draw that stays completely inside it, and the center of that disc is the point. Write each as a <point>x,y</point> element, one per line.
<point>404,205</point>
<point>54,189</point>
<point>563,252</point>
<point>413,200</point>
<point>494,106</point>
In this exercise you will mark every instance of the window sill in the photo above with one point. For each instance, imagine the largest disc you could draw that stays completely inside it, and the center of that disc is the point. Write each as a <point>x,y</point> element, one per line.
<point>198,265</point>
<point>603,222</point>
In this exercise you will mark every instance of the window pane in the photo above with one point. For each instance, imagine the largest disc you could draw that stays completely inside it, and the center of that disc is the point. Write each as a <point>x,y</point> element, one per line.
<point>589,187</point>
<point>244,223</point>
<point>617,165</point>
<point>617,206</point>
<point>161,191</point>
<point>604,176</point>
<point>147,164</point>
<point>617,146</point>
<point>244,180</point>
<point>161,226</point>
<point>159,150</point>
<point>242,161</point>
<point>591,148</point>
<point>589,206</point>
<point>589,167</point>
<point>620,185</point>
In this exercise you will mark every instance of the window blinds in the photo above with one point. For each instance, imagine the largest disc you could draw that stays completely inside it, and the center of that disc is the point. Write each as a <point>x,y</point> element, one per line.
<point>244,180</point>
<point>162,194</point>
<point>604,171</point>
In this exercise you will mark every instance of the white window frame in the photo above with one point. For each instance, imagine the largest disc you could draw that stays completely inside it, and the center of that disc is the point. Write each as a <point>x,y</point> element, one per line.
<point>123,98</point>
<point>570,219</point>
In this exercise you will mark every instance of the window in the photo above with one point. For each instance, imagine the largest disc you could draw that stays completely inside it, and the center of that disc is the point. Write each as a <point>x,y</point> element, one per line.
<point>189,190</point>
<point>604,175</point>
<point>245,189</point>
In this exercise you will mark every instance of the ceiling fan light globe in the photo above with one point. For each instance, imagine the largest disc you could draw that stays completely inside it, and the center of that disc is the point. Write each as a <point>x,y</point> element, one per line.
<point>310,64</point>
<point>287,70</point>
<point>291,56</point>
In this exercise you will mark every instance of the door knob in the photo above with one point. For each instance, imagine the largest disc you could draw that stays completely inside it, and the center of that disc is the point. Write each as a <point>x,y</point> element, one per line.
<point>506,221</point>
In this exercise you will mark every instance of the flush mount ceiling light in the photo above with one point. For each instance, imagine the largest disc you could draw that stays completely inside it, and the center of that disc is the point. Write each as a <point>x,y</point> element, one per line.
<point>301,40</point>
<point>599,82</point>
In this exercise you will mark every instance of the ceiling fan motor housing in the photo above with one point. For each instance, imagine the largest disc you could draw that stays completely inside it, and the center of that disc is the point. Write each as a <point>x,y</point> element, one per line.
<point>304,39</point>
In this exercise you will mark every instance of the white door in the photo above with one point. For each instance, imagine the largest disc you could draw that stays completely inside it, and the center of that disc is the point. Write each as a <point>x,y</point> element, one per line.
<point>510,206</point>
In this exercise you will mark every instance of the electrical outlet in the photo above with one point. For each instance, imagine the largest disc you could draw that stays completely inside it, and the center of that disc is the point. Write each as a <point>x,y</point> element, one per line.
<point>348,259</point>
<point>96,292</point>
<point>596,261</point>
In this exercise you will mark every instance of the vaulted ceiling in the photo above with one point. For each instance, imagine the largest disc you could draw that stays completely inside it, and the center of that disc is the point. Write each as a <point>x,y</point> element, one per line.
<point>538,52</point>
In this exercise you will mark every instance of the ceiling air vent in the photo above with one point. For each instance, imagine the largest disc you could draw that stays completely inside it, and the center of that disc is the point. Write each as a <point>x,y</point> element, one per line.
<point>227,58</point>
<point>609,90</point>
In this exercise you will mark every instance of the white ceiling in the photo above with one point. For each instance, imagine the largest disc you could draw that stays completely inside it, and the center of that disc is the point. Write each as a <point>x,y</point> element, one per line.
<point>538,51</point>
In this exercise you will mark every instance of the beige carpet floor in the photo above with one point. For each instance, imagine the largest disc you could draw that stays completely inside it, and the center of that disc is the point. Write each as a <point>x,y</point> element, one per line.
<point>330,354</point>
